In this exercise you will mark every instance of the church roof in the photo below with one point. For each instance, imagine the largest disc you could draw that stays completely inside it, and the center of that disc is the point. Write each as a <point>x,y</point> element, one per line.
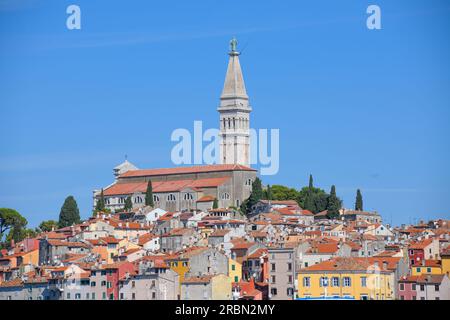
<point>185,170</point>
<point>234,86</point>
<point>164,186</point>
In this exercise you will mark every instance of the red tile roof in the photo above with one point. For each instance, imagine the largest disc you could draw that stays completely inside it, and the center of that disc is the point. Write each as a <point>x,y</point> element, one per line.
<point>206,199</point>
<point>126,188</point>
<point>185,170</point>
<point>421,245</point>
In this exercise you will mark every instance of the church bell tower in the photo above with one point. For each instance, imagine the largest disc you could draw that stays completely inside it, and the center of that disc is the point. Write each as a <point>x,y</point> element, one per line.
<point>234,112</point>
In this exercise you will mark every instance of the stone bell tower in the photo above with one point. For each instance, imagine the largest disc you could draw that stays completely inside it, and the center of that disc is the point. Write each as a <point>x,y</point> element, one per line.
<point>234,112</point>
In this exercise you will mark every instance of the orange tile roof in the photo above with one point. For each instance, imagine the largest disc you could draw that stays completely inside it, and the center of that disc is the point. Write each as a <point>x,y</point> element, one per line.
<point>12,283</point>
<point>219,233</point>
<point>146,238</point>
<point>125,188</point>
<point>257,254</point>
<point>185,170</point>
<point>202,279</point>
<point>206,199</point>
<point>58,243</point>
<point>427,263</point>
<point>420,245</point>
<point>344,264</point>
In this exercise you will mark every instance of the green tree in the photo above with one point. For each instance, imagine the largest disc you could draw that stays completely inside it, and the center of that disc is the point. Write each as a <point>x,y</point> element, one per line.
<point>47,225</point>
<point>215,204</point>
<point>100,205</point>
<point>312,198</point>
<point>149,195</point>
<point>10,220</point>
<point>69,213</point>
<point>19,233</point>
<point>128,204</point>
<point>279,192</point>
<point>359,201</point>
<point>311,184</point>
<point>255,195</point>
<point>269,193</point>
<point>334,204</point>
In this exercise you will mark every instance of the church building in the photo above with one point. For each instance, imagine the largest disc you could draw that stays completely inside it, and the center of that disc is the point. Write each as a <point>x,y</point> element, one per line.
<point>196,187</point>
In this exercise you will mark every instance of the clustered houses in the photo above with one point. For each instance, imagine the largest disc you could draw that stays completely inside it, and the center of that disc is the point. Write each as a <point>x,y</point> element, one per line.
<point>278,252</point>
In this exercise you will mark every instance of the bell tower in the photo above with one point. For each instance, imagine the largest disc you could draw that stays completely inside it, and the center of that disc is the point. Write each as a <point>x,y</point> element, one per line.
<point>234,110</point>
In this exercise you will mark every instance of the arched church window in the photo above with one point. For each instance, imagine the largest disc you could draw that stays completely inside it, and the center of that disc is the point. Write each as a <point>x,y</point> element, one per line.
<point>138,199</point>
<point>171,198</point>
<point>155,198</point>
<point>225,196</point>
<point>188,196</point>
<point>248,182</point>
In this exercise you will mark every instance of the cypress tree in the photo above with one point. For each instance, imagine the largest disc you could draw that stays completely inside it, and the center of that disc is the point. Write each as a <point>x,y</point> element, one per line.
<point>215,204</point>
<point>255,195</point>
<point>311,185</point>
<point>359,201</point>
<point>128,204</point>
<point>69,213</point>
<point>149,195</point>
<point>334,204</point>
<point>100,205</point>
<point>269,192</point>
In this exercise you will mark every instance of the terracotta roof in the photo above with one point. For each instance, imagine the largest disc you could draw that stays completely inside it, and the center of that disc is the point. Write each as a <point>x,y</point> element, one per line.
<point>110,240</point>
<point>59,243</point>
<point>258,253</point>
<point>126,188</point>
<point>202,279</point>
<point>13,283</point>
<point>427,263</point>
<point>430,278</point>
<point>346,264</point>
<point>420,245</point>
<point>206,199</point>
<point>146,238</point>
<point>219,233</point>
<point>185,170</point>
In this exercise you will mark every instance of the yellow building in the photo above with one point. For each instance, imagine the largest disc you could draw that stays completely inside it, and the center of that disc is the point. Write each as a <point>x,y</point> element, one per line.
<point>352,278</point>
<point>427,267</point>
<point>445,262</point>
<point>210,287</point>
<point>234,270</point>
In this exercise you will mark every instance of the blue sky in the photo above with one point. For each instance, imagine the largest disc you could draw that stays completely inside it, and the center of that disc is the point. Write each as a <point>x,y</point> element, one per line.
<point>356,108</point>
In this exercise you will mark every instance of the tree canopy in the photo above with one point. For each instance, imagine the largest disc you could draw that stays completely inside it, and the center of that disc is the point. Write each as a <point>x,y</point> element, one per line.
<point>359,201</point>
<point>69,213</point>
<point>334,204</point>
<point>215,204</point>
<point>128,204</point>
<point>12,221</point>
<point>100,205</point>
<point>48,225</point>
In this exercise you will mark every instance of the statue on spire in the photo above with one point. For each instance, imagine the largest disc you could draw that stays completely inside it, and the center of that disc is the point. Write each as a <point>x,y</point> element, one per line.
<point>233,44</point>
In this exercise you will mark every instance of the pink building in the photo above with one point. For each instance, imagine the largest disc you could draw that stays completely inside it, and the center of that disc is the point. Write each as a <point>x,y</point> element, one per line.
<point>407,288</point>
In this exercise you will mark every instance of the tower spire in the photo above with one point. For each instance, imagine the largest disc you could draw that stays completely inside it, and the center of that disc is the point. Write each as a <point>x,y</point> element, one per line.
<point>234,86</point>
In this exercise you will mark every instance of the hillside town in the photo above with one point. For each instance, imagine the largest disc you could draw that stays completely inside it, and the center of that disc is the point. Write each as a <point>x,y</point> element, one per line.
<point>215,232</point>
<point>279,251</point>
